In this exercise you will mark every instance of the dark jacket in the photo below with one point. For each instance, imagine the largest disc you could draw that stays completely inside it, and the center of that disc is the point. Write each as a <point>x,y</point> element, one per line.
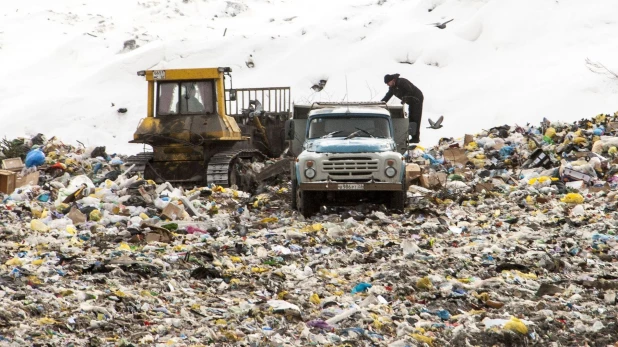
<point>405,91</point>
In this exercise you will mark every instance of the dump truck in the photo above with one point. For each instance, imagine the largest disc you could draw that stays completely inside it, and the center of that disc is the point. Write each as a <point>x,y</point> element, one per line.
<point>348,153</point>
<point>202,131</point>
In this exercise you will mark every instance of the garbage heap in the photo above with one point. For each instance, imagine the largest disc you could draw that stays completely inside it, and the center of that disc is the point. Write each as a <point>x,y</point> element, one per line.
<point>509,239</point>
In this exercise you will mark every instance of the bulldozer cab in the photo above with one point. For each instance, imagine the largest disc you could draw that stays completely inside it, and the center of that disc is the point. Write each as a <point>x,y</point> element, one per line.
<point>186,105</point>
<point>193,121</point>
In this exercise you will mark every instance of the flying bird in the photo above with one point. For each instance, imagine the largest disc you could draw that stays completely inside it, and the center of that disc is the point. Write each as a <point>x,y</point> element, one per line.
<point>437,124</point>
<point>441,25</point>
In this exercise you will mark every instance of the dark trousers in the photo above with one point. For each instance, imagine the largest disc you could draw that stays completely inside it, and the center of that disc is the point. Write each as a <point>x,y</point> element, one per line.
<point>415,113</point>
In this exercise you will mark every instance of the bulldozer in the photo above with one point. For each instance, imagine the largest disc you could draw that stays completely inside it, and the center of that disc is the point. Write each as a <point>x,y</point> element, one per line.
<point>202,131</point>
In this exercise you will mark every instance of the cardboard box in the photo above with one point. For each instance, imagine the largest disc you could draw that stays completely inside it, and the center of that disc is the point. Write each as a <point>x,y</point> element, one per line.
<point>76,216</point>
<point>15,165</point>
<point>486,186</point>
<point>456,155</point>
<point>413,172</point>
<point>599,188</point>
<point>578,185</point>
<point>157,234</point>
<point>467,139</point>
<point>172,211</point>
<point>7,181</point>
<point>435,180</point>
<point>572,175</point>
<point>31,179</point>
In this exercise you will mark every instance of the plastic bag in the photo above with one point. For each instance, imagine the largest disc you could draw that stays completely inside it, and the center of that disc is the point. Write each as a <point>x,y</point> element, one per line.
<point>573,198</point>
<point>35,158</point>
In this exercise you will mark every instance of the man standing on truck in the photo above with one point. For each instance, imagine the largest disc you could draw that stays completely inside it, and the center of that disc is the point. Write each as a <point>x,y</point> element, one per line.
<point>408,93</point>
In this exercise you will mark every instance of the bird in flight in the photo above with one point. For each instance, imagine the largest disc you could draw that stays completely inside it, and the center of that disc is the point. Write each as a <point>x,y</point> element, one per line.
<point>437,124</point>
<point>441,25</point>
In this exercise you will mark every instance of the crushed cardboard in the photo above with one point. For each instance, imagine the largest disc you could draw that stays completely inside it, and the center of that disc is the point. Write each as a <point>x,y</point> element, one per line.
<point>172,211</point>
<point>456,155</point>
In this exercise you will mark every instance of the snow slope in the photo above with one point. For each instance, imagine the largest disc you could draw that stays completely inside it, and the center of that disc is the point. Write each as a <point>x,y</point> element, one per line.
<point>499,61</point>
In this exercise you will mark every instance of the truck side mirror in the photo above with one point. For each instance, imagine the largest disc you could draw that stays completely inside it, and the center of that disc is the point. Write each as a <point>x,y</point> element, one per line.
<point>289,129</point>
<point>232,95</point>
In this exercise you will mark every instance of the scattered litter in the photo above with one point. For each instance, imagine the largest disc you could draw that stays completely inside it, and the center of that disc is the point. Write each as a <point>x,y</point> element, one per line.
<point>508,238</point>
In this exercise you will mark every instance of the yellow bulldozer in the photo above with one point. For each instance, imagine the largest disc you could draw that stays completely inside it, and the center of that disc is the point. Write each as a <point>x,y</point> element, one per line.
<point>202,131</point>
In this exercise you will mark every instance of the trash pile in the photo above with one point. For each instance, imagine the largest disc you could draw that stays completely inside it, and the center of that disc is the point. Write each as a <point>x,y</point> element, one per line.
<point>509,239</point>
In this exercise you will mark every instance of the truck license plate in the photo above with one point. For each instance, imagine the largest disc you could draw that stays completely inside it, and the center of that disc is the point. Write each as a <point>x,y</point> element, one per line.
<point>351,186</point>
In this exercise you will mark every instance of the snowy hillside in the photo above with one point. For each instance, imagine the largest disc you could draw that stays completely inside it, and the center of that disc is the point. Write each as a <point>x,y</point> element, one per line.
<point>500,61</point>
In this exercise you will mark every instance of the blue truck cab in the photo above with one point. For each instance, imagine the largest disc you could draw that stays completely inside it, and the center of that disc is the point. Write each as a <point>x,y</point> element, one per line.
<point>348,153</point>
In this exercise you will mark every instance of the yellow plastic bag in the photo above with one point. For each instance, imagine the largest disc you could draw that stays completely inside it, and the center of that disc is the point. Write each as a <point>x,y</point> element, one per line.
<point>550,132</point>
<point>258,270</point>
<point>424,339</point>
<point>124,247</point>
<point>46,321</point>
<point>573,198</point>
<point>538,179</point>
<point>516,325</point>
<point>14,262</point>
<point>424,283</point>
<point>472,146</point>
<point>37,225</point>
<point>315,299</point>
<point>95,215</point>
<point>71,229</point>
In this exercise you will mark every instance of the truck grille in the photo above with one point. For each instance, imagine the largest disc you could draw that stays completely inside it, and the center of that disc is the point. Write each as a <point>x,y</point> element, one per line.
<point>350,166</point>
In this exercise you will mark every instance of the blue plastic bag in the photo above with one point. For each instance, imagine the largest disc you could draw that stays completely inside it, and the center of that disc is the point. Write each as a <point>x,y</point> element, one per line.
<point>506,151</point>
<point>35,158</point>
<point>432,160</point>
<point>361,287</point>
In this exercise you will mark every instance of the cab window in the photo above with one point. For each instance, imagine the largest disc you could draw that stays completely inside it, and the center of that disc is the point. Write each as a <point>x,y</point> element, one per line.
<point>186,98</point>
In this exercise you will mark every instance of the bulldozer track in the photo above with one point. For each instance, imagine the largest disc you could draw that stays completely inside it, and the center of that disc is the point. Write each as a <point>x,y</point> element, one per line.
<point>140,161</point>
<point>219,166</point>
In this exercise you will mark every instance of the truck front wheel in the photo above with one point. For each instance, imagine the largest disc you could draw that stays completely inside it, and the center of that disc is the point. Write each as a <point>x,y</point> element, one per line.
<point>294,195</point>
<point>398,200</point>
<point>307,203</point>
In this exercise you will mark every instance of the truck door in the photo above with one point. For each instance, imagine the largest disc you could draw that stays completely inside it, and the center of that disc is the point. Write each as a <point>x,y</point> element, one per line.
<point>400,127</point>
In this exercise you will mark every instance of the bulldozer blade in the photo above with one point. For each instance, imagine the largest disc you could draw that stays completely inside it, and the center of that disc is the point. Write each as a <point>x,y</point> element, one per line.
<point>282,166</point>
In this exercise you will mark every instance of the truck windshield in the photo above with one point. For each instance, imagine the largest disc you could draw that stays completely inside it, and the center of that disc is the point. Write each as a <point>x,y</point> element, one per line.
<point>344,126</point>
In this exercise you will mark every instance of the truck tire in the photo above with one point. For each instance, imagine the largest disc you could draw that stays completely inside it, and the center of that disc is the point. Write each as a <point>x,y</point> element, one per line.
<point>398,201</point>
<point>308,204</point>
<point>294,197</point>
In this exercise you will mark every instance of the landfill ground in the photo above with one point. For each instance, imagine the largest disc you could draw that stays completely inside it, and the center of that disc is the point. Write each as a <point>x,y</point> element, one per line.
<point>509,239</point>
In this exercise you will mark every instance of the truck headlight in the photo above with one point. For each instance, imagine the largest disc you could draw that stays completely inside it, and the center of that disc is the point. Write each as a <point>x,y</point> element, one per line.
<point>390,172</point>
<point>309,173</point>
